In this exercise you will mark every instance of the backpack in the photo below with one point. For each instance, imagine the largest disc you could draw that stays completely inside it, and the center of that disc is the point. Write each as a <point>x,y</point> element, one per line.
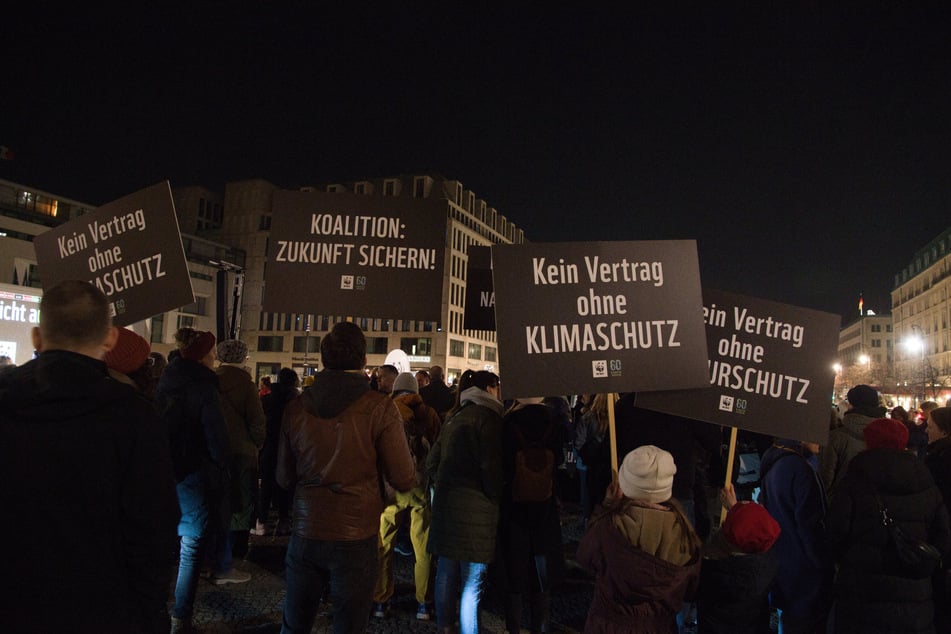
<point>418,448</point>
<point>534,469</point>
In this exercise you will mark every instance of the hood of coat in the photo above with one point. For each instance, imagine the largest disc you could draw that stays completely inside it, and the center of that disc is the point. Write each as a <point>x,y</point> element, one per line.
<point>334,391</point>
<point>854,422</point>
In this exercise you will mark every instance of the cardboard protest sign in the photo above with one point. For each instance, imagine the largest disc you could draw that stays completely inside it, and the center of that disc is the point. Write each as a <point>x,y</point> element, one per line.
<point>350,254</point>
<point>576,317</point>
<point>480,296</point>
<point>130,248</point>
<point>770,369</point>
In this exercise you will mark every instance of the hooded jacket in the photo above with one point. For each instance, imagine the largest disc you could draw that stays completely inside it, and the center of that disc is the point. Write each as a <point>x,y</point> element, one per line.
<point>84,462</point>
<point>637,589</point>
<point>338,440</point>
<point>845,442</point>
<point>465,467</point>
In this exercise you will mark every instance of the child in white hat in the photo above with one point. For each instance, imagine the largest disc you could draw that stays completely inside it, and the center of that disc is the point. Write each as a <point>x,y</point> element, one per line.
<point>641,548</point>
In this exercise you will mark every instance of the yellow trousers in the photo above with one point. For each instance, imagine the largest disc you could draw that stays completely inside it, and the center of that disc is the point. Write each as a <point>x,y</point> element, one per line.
<point>415,503</point>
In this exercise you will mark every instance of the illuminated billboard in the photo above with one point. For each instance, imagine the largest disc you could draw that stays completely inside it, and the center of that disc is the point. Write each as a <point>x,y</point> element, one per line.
<point>19,312</point>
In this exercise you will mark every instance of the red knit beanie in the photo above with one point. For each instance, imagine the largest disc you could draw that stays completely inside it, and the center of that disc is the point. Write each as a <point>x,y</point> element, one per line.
<point>750,528</point>
<point>198,348</point>
<point>885,433</point>
<point>130,352</point>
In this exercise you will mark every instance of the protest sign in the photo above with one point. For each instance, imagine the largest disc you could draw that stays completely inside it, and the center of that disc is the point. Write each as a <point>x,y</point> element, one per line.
<point>770,369</point>
<point>349,254</point>
<point>578,317</point>
<point>480,296</point>
<point>130,248</point>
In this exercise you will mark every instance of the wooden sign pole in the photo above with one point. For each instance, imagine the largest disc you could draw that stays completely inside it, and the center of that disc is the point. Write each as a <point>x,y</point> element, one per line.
<point>729,469</point>
<point>612,431</point>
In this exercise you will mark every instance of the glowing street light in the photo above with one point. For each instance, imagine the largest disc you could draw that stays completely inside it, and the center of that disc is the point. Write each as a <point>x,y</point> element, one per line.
<point>916,343</point>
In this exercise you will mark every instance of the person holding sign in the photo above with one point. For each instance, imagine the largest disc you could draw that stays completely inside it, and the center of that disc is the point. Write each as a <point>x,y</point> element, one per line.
<point>738,570</point>
<point>642,550</point>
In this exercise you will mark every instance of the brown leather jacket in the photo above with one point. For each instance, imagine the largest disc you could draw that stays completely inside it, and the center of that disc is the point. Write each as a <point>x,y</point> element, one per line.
<point>335,440</point>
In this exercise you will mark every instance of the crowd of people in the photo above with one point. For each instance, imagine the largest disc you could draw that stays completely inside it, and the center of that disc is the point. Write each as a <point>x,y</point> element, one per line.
<point>127,464</point>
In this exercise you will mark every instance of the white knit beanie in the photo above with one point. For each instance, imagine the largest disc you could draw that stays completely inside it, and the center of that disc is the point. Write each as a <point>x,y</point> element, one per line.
<point>406,382</point>
<point>647,473</point>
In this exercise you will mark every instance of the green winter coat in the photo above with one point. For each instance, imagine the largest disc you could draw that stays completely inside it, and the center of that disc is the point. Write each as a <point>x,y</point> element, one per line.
<point>243,413</point>
<point>465,468</point>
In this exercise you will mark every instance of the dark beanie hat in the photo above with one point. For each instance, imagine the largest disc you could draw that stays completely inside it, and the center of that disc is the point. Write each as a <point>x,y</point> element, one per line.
<point>130,352</point>
<point>750,528</point>
<point>885,433</point>
<point>197,349</point>
<point>863,397</point>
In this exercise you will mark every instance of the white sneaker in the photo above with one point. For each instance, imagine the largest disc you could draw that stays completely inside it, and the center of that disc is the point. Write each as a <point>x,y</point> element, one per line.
<point>232,576</point>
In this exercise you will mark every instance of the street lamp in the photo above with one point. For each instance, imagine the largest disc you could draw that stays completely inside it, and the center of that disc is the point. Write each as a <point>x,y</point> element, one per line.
<point>916,343</point>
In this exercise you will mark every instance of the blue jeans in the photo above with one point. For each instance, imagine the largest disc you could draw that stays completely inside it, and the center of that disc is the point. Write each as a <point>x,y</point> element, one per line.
<point>194,528</point>
<point>348,569</point>
<point>451,575</point>
<point>189,567</point>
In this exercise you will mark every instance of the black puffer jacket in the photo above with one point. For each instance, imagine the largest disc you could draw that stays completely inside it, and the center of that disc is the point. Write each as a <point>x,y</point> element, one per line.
<point>871,593</point>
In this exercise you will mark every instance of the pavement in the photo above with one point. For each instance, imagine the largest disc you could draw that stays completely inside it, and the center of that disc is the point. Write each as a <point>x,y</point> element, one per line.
<point>255,607</point>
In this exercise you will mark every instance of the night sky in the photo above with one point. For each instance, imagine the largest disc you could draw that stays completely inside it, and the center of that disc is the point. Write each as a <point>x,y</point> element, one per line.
<point>808,151</point>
